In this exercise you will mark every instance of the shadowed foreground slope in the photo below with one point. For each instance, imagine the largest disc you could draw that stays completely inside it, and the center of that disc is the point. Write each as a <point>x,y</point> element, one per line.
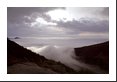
<point>97,54</point>
<point>21,60</point>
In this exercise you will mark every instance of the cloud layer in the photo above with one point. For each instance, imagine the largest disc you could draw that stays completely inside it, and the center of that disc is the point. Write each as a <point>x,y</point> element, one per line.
<point>58,21</point>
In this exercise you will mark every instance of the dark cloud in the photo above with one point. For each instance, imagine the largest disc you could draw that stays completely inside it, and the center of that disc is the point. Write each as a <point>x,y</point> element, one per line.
<point>22,30</point>
<point>105,11</point>
<point>85,26</point>
<point>21,18</point>
<point>16,14</point>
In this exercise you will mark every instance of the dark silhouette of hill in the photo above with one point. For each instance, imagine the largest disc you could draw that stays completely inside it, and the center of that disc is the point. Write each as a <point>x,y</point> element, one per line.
<point>97,54</point>
<point>17,54</point>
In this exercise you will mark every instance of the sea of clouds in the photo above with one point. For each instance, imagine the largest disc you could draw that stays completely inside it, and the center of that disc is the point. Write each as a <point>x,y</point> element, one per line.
<point>64,55</point>
<point>58,50</point>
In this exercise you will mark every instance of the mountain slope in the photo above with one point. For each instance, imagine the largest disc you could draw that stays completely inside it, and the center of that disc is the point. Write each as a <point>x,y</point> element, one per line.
<point>97,54</point>
<point>18,56</point>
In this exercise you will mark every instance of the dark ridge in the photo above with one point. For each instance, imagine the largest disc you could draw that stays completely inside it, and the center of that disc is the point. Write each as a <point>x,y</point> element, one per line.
<point>97,54</point>
<point>17,54</point>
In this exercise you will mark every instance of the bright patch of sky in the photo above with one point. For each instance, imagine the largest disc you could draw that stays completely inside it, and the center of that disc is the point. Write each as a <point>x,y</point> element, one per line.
<point>60,15</point>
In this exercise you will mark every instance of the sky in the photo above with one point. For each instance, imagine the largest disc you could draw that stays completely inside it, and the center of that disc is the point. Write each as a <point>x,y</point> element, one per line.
<point>81,22</point>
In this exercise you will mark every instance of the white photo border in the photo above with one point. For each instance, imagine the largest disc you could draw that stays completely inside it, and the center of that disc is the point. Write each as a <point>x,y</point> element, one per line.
<point>58,3</point>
